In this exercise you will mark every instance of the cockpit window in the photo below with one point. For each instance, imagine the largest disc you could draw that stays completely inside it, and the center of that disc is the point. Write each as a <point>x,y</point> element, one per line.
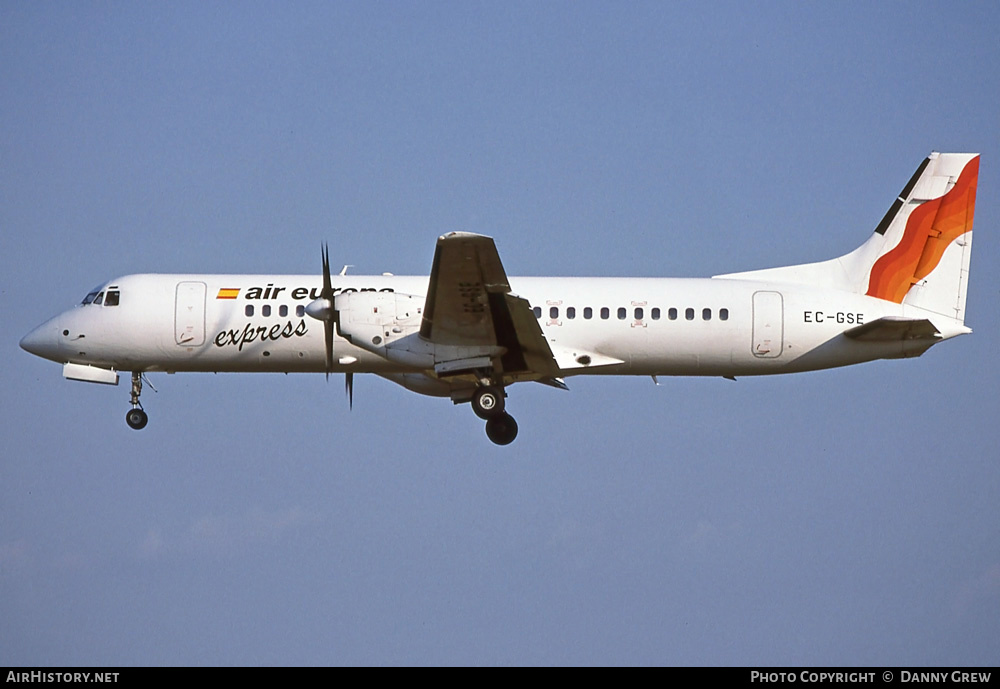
<point>97,296</point>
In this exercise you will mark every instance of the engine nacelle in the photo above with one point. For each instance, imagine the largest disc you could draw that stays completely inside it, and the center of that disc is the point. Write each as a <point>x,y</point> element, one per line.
<point>388,324</point>
<point>371,320</point>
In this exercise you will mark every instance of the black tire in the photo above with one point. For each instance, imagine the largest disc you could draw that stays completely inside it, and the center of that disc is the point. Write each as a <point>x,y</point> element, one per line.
<point>501,429</point>
<point>488,402</point>
<point>136,418</point>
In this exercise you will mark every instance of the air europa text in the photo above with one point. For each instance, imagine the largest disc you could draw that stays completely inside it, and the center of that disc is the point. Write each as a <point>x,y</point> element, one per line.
<point>300,293</point>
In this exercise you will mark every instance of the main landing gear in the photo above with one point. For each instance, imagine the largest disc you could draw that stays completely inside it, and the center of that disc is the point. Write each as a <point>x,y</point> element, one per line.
<point>136,418</point>
<point>488,404</point>
<point>501,429</point>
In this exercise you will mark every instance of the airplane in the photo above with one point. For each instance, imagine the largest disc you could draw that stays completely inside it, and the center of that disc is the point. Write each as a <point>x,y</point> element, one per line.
<point>467,332</point>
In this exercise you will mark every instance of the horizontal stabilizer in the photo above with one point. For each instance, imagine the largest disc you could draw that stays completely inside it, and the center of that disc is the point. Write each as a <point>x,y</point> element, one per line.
<point>894,329</point>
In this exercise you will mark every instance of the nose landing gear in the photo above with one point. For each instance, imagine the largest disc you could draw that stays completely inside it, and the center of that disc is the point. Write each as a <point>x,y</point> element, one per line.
<point>488,404</point>
<point>135,417</point>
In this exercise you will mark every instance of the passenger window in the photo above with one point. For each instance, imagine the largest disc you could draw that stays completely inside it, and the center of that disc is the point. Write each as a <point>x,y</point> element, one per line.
<point>689,314</point>
<point>282,310</point>
<point>622,313</point>
<point>638,314</point>
<point>553,312</point>
<point>112,298</point>
<point>588,313</point>
<point>265,310</point>
<point>537,311</point>
<point>570,312</point>
<point>706,314</point>
<point>655,313</point>
<point>300,311</point>
<point>605,312</point>
<point>672,314</point>
<point>723,314</point>
<point>248,310</point>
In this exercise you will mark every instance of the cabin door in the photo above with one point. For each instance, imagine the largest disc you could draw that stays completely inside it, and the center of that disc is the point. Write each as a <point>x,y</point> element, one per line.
<point>768,325</point>
<point>189,314</point>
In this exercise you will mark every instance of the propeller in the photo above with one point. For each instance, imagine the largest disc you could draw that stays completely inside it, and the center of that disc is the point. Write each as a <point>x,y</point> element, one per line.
<point>327,296</point>
<point>322,309</point>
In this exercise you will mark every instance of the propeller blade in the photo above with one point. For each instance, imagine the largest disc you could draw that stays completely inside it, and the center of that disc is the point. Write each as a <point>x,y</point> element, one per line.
<point>349,384</point>
<point>327,294</point>
<point>328,333</point>
<point>327,283</point>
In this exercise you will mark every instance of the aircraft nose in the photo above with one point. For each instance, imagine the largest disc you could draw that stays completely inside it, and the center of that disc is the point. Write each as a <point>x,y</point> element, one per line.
<point>42,341</point>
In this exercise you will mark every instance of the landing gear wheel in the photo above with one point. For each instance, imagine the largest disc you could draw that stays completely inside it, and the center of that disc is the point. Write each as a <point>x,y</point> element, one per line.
<point>501,429</point>
<point>136,418</point>
<point>488,402</point>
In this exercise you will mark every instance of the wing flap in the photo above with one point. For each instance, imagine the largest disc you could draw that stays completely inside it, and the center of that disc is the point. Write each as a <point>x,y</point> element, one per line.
<point>527,348</point>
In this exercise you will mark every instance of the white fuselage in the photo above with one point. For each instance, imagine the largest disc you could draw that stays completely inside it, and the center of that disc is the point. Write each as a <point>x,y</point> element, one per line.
<point>654,326</point>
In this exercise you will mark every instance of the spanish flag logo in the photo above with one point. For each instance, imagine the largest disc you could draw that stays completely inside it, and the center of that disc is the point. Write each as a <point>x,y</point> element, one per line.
<point>228,293</point>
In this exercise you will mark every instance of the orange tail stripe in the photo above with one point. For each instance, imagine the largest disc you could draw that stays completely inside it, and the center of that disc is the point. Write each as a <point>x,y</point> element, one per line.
<point>930,229</point>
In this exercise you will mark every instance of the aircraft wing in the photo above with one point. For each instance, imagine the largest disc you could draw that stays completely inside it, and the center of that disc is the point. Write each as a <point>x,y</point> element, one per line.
<point>469,304</point>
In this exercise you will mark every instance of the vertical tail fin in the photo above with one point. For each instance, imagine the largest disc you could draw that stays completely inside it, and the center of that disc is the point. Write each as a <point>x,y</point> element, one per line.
<point>919,252</point>
<point>927,238</point>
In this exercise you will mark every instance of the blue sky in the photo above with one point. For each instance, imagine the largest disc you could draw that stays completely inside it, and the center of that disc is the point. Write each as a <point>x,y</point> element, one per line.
<point>840,517</point>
